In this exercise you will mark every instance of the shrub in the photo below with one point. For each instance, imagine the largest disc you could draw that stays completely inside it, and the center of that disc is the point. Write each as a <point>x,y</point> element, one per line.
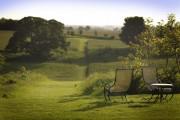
<point>13,77</point>
<point>170,75</point>
<point>95,83</point>
<point>136,83</point>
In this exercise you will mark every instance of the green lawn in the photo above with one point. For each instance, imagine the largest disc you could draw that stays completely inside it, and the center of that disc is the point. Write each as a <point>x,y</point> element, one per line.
<point>58,100</point>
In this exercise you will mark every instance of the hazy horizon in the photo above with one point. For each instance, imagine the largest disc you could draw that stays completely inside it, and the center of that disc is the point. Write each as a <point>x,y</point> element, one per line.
<point>90,12</point>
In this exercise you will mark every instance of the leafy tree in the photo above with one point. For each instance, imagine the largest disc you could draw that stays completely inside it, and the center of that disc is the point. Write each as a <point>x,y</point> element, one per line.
<point>70,30</point>
<point>147,41</point>
<point>169,43</point>
<point>80,30</point>
<point>72,33</point>
<point>162,40</point>
<point>87,28</point>
<point>133,26</point>
<point>146,46</point>
<point>37,37</point>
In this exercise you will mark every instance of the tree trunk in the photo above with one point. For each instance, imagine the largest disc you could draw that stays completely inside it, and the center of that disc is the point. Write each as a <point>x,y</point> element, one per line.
<point>178,63</point>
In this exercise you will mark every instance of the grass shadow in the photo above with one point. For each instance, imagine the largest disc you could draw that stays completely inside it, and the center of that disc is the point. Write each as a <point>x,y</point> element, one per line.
<point>72,98</point>
<point>95,105</point>
<point>137,105</point>
<point>100,104</point>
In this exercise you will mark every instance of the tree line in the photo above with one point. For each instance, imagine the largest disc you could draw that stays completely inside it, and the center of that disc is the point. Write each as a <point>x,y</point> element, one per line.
<point>8,24</point>
<point>37,37</point>
<point>149,41</point>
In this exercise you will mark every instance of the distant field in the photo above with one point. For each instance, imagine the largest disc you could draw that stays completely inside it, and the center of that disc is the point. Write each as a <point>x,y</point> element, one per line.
<point>106,50</point>
<point>99,32</point>
<point>101,44</point>
<point>77,43</point>
<point>4,38</point>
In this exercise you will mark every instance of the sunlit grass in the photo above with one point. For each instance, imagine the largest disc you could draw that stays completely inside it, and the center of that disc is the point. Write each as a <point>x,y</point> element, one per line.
<point>4,38</point>
<point>77,43</point>
<point>52,100</point>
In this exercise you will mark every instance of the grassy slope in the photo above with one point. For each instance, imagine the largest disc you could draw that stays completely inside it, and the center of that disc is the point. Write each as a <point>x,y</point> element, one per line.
<point>53,100</point>
<point>104,67</point>
<point>4,37</point>
<point>52,70</point>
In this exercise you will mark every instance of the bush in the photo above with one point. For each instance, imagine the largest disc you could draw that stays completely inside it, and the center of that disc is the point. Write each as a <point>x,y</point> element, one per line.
<point>167,74</point>
<point>170,75</point>
<point>13,77</point>
<point>136,83</point>
<point>95,83</point>
<point>12,80</point>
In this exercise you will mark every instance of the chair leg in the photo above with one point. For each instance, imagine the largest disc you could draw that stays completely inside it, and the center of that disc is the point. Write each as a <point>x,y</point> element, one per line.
<point>172,95</point>
<point>125,98</point>
<point>109,96</point>
<point>152,95</point>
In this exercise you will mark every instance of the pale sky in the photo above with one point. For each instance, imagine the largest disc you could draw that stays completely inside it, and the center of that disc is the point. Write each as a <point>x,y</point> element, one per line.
<point>90,12</point>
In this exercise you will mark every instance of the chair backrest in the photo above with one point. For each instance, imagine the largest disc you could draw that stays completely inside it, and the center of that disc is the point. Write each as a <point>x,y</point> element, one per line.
<point>122,81</point>
<point>150,75</point>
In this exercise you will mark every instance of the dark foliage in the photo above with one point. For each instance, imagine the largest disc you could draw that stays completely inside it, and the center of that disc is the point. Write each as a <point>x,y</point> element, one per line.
<point>37,37</point>
<point>132,27</point>
<point>8,24</point>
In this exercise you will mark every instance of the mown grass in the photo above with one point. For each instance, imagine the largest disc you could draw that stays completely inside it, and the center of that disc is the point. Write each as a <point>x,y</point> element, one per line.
<point>4,38</point>
<point>57,100</point>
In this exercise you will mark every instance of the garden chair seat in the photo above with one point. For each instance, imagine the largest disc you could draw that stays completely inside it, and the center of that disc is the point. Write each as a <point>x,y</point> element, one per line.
<point>121,84</point>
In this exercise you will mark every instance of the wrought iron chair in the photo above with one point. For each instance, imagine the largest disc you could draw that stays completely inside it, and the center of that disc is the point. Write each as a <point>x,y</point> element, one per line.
<point>121,84</point>
<point>154,84</point>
